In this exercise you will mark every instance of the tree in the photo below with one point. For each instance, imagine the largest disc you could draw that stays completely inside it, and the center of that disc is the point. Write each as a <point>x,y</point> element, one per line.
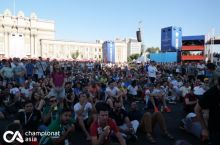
<point>132,57</point>
<point>75,54</point>
<point>153,49</point>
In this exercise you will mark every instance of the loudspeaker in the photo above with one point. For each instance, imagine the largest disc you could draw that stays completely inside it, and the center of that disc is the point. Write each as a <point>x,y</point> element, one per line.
<point>138,34</point>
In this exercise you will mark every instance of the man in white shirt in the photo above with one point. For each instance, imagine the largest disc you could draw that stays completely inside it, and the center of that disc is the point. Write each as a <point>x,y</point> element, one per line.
<point>201,71</point>
<point>198,90</point>
<point>152,70</point>
<point>81,110</point>
<point>112,91</point>
<point>133,90</point>
<point>185,89</point>
<point>158,95</point>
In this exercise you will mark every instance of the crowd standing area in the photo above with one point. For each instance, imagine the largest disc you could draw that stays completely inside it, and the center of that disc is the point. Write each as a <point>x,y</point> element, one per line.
<point>102,101</point>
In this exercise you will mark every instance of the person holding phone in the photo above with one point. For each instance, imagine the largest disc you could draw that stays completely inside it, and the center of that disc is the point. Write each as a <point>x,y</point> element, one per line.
<point>63,128</point>
<point>50,112</point>
<point>103,128</point>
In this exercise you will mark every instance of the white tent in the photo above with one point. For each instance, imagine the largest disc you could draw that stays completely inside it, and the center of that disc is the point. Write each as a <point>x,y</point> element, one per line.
<point>142,59</point>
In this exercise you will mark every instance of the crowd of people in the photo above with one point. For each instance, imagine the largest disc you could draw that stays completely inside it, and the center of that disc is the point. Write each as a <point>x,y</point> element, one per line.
<point>102,100</point>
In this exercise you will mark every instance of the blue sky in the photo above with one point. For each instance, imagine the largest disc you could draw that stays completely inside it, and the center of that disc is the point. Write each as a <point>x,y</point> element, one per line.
<point>90,20</point>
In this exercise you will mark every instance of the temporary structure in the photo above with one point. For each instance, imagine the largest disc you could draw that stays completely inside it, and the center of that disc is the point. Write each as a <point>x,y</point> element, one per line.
<point>142,59</point>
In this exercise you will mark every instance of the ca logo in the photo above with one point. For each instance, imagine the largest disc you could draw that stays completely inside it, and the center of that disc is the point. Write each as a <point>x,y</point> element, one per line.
<point>16,136</point>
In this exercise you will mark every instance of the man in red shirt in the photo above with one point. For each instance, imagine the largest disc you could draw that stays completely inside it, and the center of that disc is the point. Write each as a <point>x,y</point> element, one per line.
<point>190,101</point>
<point>104,127</point>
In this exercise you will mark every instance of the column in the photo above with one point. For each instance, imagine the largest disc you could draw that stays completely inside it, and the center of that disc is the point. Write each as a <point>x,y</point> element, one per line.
<point>6,44</point>
<point>2,43</point>
<point>36,46</point>
<point>27,43</point>
<point>32,45</point>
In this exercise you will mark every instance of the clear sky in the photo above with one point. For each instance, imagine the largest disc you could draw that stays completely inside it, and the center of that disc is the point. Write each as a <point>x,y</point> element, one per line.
<point>90,20</point>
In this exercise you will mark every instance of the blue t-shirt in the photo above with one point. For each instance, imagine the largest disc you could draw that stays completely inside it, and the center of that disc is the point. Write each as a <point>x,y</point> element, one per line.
<point>29,69</point>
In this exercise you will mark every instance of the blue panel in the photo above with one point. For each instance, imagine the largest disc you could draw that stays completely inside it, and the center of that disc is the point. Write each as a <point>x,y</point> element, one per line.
<point>166,39</point>
<point>109,51</point>
<point>164,57</point>
<point>176,38</point>
<point>198,37</point>
<point>105,52</point>
<point>171,39</point>
<point>113,52</point>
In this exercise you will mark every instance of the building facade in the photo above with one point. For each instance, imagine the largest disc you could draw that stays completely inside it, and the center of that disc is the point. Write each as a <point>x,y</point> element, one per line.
<point>108,52</point>
<point>115,51</point>
<point>121,52</point>
<point>30,37</point>
<point>171,39</point>
<point>20,36</point>
<point>212,50</point>
<point>133,47</point>
<point>71,50</point>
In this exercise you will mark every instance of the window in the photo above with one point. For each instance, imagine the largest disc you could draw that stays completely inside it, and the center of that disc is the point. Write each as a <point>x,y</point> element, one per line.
<point>192,53</point>
<point>192,42</point>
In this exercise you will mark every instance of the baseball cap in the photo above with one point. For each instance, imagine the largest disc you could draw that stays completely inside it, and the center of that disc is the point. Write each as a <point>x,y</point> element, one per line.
<point>190,115</point>
<point>14,91</point>
<point>206,79</point>
<point>198,91</point>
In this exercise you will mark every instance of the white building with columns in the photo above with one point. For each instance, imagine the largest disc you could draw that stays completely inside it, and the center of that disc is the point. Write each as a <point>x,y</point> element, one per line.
<point>30,37</point>
<point>20,35</point>
<point>65,49</point>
